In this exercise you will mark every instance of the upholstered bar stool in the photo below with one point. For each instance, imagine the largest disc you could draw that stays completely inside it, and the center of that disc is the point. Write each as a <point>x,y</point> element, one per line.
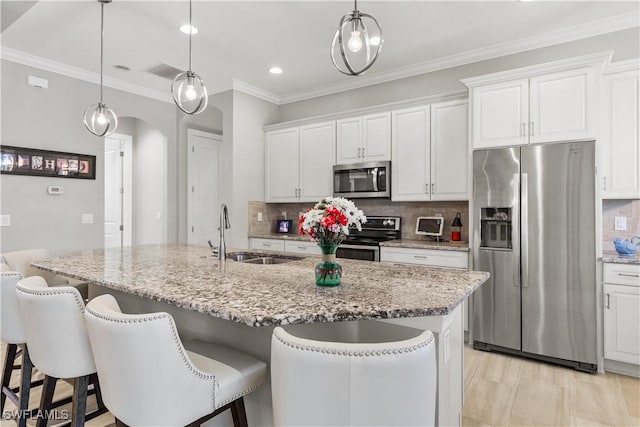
<point>140,358</point>
<point>12,334</point>
<point>54,327</point>
<point>346,384</point>
<point>21,261</point>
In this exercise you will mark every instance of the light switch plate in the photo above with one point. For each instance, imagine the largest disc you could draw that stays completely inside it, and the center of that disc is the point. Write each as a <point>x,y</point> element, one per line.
<point>5,220</point>
<point>87,218</point>
<point>620,223</point>
<point>259,216</point>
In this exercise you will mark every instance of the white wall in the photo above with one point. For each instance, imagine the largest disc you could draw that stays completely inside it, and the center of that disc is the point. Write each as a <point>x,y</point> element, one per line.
<point>52,119</point>
<point>625,44</point>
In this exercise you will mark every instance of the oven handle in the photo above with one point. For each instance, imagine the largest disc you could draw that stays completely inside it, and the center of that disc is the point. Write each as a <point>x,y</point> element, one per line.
<point>365,247</point>
<point>374,176</point>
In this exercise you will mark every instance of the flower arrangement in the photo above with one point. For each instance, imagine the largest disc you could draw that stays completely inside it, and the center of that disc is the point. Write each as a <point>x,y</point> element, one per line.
<point>329,221</point>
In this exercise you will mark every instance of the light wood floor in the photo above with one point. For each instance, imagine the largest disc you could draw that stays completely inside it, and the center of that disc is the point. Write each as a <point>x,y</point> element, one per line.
<point>504,390</point>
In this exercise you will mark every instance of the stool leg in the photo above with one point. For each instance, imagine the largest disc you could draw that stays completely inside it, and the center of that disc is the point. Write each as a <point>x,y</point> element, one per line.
<point>10,359</point>
<point>25,386</point>
<point>238,413</point>
<point>46,400</point>
<point>79,401</point>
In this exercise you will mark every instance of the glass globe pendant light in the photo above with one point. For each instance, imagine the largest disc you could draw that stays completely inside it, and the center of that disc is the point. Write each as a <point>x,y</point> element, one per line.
<point>99,119</point>
<point>188,89</point>
<point>358,42</point>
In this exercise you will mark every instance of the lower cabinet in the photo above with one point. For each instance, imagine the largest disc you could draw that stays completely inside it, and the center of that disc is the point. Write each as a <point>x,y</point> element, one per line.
<point>427,257</point>
<point>302,247</point>
<point>622,313</point>
<point>266,244</point>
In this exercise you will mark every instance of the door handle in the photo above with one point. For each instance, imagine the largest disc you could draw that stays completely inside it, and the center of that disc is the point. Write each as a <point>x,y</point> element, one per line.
<point>433,188</point>
<point>608,301</point>
<point>524,237</point>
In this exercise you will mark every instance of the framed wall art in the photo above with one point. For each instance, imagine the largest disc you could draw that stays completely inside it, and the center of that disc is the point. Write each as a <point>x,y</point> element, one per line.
<point>34,162</point>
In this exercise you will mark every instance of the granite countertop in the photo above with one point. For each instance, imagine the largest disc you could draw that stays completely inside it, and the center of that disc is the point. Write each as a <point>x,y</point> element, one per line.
<point>261,295</point>
<point>427,244</point>
<point>614,257</point>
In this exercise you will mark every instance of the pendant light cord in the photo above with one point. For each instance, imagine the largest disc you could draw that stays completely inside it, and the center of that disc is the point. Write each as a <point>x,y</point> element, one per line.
<point>101,45</point>
<point>190,33</point>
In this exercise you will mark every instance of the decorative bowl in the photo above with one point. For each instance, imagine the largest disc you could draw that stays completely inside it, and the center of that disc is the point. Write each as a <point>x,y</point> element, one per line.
<point>627,247</point>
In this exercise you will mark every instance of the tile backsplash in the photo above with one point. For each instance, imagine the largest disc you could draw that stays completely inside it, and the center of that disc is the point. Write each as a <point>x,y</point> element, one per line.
<point>614,208</point>
<point>407,211</point>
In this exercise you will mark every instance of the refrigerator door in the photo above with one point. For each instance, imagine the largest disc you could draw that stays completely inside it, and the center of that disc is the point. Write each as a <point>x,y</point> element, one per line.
<point>558,251</point>
<point>496,304</point>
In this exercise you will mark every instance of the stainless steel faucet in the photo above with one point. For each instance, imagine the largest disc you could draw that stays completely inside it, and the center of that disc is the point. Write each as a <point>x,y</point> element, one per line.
<point>224,223</point>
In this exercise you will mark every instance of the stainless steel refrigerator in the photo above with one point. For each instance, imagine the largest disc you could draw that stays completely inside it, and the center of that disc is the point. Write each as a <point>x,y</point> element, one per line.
<point>534,231</point>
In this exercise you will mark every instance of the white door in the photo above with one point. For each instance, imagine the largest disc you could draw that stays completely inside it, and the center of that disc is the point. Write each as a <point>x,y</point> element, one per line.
<point>410,155</point>
<point>202,184</point>
<point>281,168</point>
<point>118,187</point>
<point>449,151</point>
<point>562,106</point>
<point>500,114</point>
<point>349,141</point>
<point>621,323</point>
<point>317,151</point>
<point>620,139</point>
<point>376,129</point>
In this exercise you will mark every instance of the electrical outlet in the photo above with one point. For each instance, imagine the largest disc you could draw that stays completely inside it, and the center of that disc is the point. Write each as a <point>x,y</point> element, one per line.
<point>5,220</point>
<point>284,215</point>
<point>620,223</point>
<point>259,216</point>
<point>87,218</point>
<point>158,216</point>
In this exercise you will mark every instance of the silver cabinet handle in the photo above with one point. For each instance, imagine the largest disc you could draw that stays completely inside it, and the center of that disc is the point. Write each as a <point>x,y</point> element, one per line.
<point>302,247</point>
<point>359,152</point>
<point>426,189</point>
<point>420,256</point>
<point>266,244</point>
<point>433,188</point>
<point>628,275</point>
<point>605,183</point>
<point>363,150</point>
<point>523,131</point>
<point>531,128</point>
<point>299,192</point>
<point>608,301</point>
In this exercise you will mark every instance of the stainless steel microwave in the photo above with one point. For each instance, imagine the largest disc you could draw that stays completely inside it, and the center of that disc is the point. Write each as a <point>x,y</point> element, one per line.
<point>370,179</point>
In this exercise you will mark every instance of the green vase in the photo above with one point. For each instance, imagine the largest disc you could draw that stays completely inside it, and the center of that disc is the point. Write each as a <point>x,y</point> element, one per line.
<point>328,272</point>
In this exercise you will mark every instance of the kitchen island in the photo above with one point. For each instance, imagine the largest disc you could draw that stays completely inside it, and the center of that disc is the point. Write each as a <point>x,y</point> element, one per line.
<point>238,304</point>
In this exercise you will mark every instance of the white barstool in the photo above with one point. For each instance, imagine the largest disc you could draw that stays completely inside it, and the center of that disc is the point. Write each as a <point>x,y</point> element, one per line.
<point>346,384</point>
<point>12,334</point>
<point>54,327</point>
<point>140,358</point>
<point>21,261</point>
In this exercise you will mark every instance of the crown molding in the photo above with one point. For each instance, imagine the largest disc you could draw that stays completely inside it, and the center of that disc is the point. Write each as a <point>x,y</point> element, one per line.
<point>603,26</point>
<point>623,66</point>
<point>599,59</point>
<point>23,58</point>
<point>257,92</point>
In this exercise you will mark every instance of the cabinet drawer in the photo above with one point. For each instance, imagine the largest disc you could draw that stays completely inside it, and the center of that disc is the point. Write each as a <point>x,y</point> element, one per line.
<point>622,274</point>
<point>268,244</point>
<point>298,247</point>
<point>429,257</point>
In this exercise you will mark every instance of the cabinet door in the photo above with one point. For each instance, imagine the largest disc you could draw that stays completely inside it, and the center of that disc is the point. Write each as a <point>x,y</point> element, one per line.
<point>317,151</point>
<point>410,153</point>
<point>376,137</point>
<point>562,106</point>
<point>349,141</point>
<point>622,323</point>
<point>266,244</point>
<point>500,114</point>
<point>449,151</point>
<point>281,168</point>
<point>620,143</point>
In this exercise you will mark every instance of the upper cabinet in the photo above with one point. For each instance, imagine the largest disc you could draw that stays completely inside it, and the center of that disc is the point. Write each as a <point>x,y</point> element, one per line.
<point>299,163</point>
<point>363,139</point>
<point>620,167</point>
<point>430,159</point>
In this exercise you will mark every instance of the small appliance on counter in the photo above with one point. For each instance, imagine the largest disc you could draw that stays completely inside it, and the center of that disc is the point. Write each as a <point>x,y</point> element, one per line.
<point>430,226</point>
<point>284,226</point>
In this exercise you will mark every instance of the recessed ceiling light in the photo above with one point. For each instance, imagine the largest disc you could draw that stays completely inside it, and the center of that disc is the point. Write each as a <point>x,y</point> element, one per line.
<point>186,28</point>
<point>374,41</point>
<point>122,67</point>
<point>275,70</point>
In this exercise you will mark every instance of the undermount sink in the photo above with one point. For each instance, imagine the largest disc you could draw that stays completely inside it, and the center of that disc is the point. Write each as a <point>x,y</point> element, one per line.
<point>261,258</point>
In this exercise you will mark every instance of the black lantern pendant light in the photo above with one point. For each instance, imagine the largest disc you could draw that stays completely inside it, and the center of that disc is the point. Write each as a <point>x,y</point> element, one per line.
<point>358,41</point>
<point>188,90</point>
<point>99,119</point>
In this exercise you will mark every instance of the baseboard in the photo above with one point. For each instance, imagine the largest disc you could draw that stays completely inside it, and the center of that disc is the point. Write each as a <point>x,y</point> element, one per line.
<point>622,368</point>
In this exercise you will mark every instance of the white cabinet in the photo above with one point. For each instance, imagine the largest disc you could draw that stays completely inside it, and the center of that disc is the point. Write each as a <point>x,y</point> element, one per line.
<point>266,244</point>
<point>299,163</point>
<point>620,171</point>
<point>552,107</point>
<point>427,257</point>
<point>622,313</point>
<point>302,247</point>
<point>430,153</point>
<point>363,139</point>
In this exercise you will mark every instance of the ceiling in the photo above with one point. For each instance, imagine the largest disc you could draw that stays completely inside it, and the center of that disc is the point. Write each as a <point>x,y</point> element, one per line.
<point>241,39</point>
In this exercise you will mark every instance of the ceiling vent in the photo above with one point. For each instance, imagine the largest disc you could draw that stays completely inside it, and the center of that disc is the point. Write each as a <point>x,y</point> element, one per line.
<point>165,71</point>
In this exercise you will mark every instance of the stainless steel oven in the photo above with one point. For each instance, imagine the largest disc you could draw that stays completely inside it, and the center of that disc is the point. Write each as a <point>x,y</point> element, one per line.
<point>370,179</point>
<point>365,244</point>
<point>362,252</point>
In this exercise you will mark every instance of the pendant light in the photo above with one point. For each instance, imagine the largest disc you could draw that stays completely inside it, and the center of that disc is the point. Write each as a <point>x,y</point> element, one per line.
<point>188,90</point>
<point>358,40</point>
<point>99,119</point>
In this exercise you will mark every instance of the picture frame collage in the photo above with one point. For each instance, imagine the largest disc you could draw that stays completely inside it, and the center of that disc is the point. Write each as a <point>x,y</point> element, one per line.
<point>35,162</point>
